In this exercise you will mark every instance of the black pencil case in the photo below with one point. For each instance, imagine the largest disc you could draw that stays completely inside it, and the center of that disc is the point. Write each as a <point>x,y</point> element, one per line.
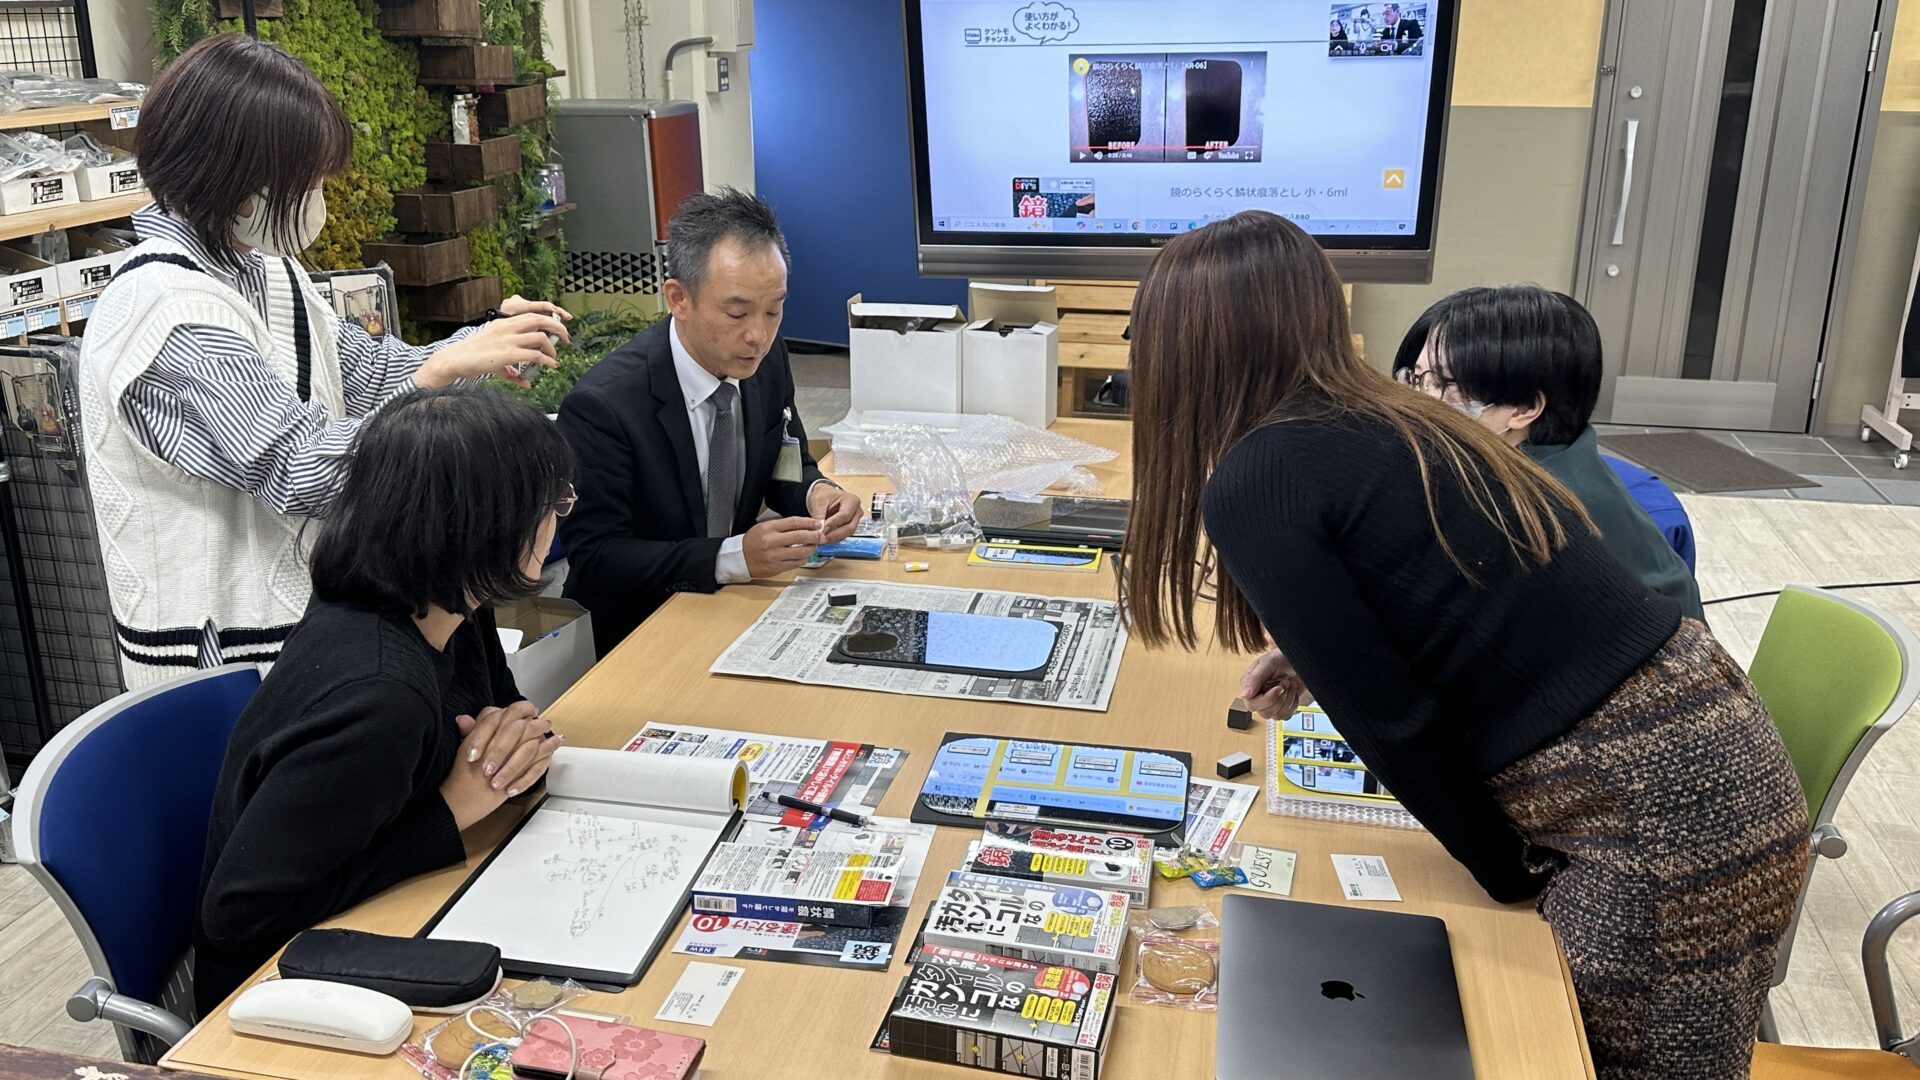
<point>424,973</point>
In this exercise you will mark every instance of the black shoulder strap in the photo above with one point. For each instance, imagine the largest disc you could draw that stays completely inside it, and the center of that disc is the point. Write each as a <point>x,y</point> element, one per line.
<point>302,342</point>
<point>139,261</point>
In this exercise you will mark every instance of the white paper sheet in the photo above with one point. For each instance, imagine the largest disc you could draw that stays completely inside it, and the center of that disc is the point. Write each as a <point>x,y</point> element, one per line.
<point>700,994</point>
<point>792,639</point>
<point>1365,877</point>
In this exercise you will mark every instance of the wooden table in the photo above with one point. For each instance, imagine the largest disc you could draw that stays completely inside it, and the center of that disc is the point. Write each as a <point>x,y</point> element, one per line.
<point>790,1021</point>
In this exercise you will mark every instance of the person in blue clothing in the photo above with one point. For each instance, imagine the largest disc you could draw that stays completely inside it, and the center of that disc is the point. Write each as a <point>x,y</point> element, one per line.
<point>1526,363</point>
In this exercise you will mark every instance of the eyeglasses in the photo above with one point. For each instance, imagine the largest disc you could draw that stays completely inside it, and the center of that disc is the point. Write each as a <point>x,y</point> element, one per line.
<point>1427,382</point>
<point>564,505</point>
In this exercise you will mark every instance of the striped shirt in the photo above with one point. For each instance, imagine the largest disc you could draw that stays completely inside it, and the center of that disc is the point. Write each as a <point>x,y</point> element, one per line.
<point>210,406</point>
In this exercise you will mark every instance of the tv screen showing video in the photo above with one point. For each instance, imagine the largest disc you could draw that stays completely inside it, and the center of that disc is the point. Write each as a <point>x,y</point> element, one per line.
<point>1055,136</point>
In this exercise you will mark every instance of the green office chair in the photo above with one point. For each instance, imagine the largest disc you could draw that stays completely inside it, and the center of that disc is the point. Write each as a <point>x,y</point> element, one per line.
<point>1835,675</point>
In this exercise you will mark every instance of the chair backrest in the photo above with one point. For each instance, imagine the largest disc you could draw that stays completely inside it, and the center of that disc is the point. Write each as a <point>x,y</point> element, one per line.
<point>113,819</point>
<point>1660,503</point>
<point>1835,675</point>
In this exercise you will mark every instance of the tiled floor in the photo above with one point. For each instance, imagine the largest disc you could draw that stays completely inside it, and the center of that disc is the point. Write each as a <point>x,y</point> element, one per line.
<point>1845,470</point>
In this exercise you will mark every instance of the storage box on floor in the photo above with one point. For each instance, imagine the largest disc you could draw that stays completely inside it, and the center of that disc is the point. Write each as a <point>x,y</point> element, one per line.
<point>1011,353</point>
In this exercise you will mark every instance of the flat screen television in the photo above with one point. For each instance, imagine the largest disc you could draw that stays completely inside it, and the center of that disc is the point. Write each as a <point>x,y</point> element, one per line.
<point>1071,138</point>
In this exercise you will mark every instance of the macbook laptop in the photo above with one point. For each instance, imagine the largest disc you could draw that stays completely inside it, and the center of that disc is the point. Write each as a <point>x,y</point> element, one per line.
<point>1309,991</point>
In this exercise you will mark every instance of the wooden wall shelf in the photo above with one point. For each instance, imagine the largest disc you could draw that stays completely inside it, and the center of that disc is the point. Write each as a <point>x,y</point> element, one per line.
<point>421,262</point>
<point>466,65</point>
<point>473,162</point>
<point>455,302</point>
<point>513,106</point>
<point>432,18</point>
<point>445,211</point>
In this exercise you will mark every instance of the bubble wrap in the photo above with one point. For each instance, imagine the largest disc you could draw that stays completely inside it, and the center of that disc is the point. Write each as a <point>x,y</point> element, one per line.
<point>930,490</point>
<point>994,453</point>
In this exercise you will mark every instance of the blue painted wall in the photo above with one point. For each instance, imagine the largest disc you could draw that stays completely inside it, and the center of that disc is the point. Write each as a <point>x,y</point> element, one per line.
<point>832,153</point>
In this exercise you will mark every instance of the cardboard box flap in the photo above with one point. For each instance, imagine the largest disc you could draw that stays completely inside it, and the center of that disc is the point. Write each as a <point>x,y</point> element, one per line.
<point>1000,328</point>
<point>1025,304</point>
<point>903,318</point>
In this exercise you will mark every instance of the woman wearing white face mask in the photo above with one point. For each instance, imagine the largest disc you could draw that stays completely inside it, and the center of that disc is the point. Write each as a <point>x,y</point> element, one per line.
<point>220,394</point>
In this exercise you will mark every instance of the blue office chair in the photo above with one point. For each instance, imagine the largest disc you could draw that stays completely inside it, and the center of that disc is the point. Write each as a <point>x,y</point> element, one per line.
<point>1660,503</point>
<point>112,819</point>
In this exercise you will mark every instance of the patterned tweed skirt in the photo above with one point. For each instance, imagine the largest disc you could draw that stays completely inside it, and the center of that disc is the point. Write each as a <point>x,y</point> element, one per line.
<point>1680,835</point>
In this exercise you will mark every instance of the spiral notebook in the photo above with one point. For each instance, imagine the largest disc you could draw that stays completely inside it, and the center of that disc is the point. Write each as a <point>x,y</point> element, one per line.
<point>590,884</point>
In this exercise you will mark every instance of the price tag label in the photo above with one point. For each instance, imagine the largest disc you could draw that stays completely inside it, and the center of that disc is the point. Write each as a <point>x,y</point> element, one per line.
<point>45,317</point>
<point>122,117</point>
<point>14,325</point>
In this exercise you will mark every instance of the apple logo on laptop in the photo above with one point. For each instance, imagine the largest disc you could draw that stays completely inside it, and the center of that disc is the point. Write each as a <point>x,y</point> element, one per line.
<point>1338,990</point>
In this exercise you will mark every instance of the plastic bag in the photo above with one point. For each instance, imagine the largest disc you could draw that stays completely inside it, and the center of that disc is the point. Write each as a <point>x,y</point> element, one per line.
<point>87,151</point>
<point>40,90</point>
<point>29,153</point>
<point>995,453</point>
<point>1148,922</point>
<point>1181,972</point>
<point>486,1034</point>
<point>930,505</point>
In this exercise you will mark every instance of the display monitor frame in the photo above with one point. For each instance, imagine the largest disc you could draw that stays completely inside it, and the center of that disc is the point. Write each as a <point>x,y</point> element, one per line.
<point>1124,256</point>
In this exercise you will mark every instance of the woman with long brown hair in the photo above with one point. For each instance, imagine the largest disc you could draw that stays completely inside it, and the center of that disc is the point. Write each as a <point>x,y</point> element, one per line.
<point>1559,728</point>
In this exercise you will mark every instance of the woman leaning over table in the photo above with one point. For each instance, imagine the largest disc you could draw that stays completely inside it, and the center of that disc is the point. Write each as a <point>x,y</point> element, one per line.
<point>220,395</point>
<point>1556,726</point>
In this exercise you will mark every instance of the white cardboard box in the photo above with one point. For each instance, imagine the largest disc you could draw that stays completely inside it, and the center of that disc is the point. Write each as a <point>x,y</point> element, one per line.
<point>1012,353</point>
<point>26,281</point>
<point>37,193</point>
<point>893,368</point>
<point>89,274</point>
<point>556,645</point>
<point>121,176</point>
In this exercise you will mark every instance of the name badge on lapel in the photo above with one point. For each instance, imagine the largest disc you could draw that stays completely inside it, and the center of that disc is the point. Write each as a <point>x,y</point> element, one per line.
<point>786,468</point>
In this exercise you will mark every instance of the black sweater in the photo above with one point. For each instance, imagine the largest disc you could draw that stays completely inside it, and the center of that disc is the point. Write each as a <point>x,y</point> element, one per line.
<point>1438,684</point>
<point>330,788</point>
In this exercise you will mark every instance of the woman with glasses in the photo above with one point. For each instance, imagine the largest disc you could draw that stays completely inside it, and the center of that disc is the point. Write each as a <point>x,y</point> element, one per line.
<point>391,724</point>
<point>1525,363</point>
<point>1561,730</point>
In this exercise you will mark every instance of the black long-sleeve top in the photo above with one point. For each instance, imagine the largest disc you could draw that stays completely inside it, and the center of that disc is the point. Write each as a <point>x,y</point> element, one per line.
<point>330,788</point>
<point>1437,682</point>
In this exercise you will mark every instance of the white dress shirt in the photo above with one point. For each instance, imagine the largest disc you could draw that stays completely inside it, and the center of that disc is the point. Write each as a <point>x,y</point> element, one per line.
<point>697,385</point>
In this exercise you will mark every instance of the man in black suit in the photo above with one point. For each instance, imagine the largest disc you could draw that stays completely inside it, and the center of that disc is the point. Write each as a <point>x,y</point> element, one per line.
<point>1404,32</point>
<point>679,433</point>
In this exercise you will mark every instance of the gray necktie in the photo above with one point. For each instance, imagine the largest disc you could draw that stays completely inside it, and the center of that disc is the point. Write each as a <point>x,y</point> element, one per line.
<point>723,468</point>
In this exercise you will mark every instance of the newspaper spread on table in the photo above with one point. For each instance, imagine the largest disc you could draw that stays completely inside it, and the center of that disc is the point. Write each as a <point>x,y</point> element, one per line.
<point>792,638</point>
<point>851,776</point>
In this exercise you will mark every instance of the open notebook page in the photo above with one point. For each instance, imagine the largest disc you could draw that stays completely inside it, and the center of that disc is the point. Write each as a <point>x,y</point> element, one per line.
<point>597,874</point>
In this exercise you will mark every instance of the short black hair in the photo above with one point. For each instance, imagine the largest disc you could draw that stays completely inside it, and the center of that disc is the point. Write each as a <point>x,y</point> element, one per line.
<point>232,117</point>
<point>446,493</point>
<point>1510,345</point>
<point>706,218</point>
